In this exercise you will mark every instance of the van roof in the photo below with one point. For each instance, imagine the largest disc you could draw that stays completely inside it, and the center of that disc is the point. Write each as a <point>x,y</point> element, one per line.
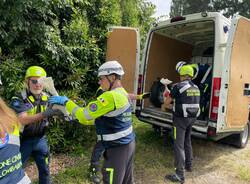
<point>192,17</point>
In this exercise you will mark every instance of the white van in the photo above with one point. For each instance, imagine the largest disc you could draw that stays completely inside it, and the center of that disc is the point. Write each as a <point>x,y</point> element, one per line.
<point>206,38</point>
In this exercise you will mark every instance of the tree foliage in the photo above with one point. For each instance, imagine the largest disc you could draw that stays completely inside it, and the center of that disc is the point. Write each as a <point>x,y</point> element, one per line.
<point>227,8</point>
<point>67,38</point>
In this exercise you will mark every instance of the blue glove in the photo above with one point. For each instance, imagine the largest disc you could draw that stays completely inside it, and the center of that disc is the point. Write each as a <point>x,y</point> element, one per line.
<point>60,100</point>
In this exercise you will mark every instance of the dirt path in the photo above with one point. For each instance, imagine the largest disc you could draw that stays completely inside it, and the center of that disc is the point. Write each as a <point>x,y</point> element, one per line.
<point>58,164</point>
<point>214,163</point>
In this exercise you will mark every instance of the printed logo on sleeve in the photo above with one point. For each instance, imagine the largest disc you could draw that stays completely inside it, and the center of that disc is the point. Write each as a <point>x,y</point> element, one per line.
<point>93,107</point>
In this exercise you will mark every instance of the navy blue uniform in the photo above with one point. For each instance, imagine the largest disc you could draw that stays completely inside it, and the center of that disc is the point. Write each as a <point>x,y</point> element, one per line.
<point>11,170</point>
<point>33,139</point>
<point>186,108</point>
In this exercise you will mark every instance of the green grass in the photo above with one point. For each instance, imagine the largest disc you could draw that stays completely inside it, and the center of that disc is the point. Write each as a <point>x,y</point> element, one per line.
<point>153,161</point>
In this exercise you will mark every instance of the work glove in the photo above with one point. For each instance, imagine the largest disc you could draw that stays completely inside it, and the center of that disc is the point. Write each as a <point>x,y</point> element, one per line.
<point>60,100</point>
<point>144,95</point>
<point>52,112</point>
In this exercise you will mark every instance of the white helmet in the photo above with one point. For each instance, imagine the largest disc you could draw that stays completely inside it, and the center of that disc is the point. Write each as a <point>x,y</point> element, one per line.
<point>110,67</point>
<point>179,65</point>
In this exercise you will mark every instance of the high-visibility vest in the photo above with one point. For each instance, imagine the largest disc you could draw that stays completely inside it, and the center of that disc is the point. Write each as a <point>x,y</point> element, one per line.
<point>115,127</point>
<point>11,170</point>
<point>32,107</point>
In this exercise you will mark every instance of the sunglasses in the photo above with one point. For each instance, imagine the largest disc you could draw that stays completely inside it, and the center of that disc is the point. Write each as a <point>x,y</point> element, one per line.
<point>34,81</point>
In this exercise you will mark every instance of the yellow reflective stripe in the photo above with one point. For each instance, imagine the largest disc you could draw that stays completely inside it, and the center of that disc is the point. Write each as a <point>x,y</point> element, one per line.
<point>16,131</point>
<point>44,98</point>
<point>111,174</point>
<point>43,108</point>
<point>32,111</point>
<point>174,129</point>
<point>31,98</point>
<point>205,89</point>
<point>47,160</point>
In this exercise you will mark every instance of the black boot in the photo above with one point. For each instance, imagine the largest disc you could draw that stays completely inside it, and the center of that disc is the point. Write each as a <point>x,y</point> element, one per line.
<point>93,175</point>
<point>175,178</point>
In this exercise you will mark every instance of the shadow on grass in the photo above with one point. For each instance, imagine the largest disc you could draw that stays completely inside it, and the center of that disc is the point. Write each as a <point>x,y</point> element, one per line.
<point>153,159</point>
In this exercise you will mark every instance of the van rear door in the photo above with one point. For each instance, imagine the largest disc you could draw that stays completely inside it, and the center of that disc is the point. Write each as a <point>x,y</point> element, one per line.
<point>123,45</point>
<point>233,105</point>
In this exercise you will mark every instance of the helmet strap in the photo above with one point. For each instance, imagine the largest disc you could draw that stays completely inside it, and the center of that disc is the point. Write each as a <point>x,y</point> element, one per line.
<point>110,82</point>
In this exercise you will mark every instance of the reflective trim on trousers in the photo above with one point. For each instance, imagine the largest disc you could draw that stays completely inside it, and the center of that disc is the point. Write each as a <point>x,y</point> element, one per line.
<point>174,133</point>
<point>111,174</point>
<point>115,136</point>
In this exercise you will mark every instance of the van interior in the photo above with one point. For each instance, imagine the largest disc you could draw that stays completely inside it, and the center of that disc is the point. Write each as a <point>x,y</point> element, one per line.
<point>192,42</point>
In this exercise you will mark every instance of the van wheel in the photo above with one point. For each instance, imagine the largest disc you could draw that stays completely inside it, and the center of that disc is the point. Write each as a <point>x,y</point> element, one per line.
<point>156,96</point>
<point>242,138</point>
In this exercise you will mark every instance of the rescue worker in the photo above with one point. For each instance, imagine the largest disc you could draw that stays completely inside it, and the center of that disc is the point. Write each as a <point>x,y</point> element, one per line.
<point>99,149</point>
<point>31,106</point>
<point>111,112</point>
<point>203,79</point>
<point>186,97</point>
<point>11,170</point>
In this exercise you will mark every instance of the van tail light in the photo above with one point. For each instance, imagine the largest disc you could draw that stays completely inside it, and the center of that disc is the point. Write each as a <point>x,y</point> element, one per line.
<point>211,131</point>
<point>177,18</point>
<point>215,99</point>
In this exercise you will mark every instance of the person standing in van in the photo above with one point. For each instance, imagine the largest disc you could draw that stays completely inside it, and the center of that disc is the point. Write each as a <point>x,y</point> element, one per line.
<point>186,108</point>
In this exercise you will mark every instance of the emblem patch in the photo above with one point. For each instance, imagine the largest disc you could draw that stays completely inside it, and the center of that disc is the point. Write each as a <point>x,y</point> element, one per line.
<point>16,103</point>
<point>93,107</point>
<point>4,141</point>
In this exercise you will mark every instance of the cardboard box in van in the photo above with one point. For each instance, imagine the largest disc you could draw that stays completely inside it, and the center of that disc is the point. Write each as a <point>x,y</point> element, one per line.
<point>206,39</point>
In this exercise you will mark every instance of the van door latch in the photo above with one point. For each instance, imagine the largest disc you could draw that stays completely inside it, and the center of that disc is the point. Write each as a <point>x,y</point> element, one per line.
<point>246,89</point>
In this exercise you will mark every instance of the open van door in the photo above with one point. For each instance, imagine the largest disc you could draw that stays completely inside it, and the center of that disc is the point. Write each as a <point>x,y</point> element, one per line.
<point>234,104</point>
<point>123,45</point>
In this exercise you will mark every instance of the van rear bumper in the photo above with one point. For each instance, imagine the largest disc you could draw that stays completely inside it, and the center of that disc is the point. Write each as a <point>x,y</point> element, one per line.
<point>169,126</point>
